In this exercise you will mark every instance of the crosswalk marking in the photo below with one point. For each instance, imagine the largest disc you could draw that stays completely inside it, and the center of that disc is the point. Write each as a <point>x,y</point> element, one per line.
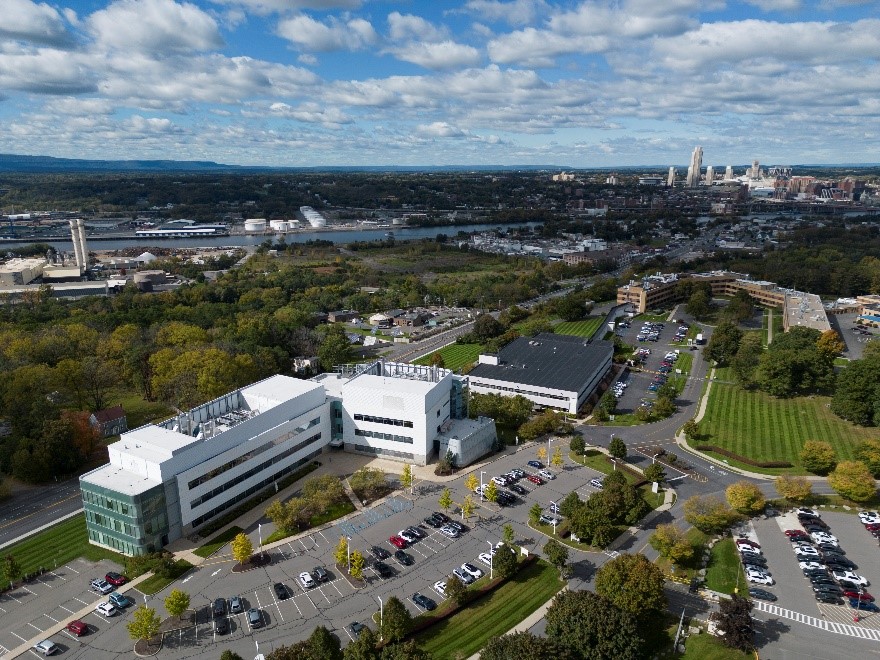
<point>831,626</point>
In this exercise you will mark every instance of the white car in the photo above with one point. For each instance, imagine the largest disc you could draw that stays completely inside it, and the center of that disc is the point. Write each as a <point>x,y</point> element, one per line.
<point>546,474</point>
<point>806,512</point>
<point>745,547</point>
<point>46,647</point>
<point>852,577</point>
<point>486,558</point>
<point>451,532</point>
<point>409,537</point>
<point>472,570</point>
<point>479,490</point>
<point>823,537</point>
<point>105,609</point>
<point>759,578</point>
<point>806,552</point>
<point>440,587</point>
<point>806,565</point>
<point>868,517</point>
<point>305,579</point>
<point>101,586</point>
<point>499,481</point>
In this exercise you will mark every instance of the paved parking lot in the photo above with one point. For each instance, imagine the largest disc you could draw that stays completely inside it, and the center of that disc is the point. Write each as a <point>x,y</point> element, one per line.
<point>793,590</point>
<point>335,603</point>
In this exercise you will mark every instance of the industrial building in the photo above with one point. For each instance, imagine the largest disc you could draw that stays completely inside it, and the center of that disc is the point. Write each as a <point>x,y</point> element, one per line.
<point>164,481</point>
<point>21,271</point>
<point>552,371</point>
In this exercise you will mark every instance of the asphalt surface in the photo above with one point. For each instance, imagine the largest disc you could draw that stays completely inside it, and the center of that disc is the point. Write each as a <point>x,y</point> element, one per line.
<point>33,507</point>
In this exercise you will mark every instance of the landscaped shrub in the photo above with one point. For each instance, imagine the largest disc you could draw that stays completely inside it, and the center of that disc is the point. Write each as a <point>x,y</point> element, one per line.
<point>743,459</point>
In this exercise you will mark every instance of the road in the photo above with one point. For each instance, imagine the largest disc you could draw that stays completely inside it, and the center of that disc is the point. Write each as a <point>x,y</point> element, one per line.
<point>35,506</point>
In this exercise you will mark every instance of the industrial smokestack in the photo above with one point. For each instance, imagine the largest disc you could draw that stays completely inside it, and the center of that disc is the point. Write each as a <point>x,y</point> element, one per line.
<point>77,250</point>
<point>81,227</point>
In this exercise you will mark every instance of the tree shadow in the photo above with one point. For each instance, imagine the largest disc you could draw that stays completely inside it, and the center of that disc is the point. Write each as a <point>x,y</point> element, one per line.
<point>770,631</point>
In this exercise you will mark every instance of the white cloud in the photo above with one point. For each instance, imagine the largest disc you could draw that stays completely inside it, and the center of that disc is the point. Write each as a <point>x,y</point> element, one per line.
<point>439,129</point>
<point>156,26</point>
<point>306,32</point>
<point>37,23</point>
<point>47,71</point>
<point>540,48</point>
<point>311,113</point>
<point>407,27</point>
<point>307,58</point>
<point>273,6</point>
<point>517,12</point>
<point>778,5</point>
<point>440,55</point>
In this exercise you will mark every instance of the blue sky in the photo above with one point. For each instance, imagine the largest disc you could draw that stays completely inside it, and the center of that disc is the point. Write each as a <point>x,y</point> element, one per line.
<point>485,82</point>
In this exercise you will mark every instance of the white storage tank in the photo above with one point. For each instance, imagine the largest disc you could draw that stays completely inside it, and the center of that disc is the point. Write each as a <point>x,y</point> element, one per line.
<point>279,225</point>
<point>255,224</point>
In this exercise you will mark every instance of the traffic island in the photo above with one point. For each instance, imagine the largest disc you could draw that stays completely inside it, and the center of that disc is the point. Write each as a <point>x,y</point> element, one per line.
<point>256,561</point>
<point>145,648</point>
<point>356,583</point>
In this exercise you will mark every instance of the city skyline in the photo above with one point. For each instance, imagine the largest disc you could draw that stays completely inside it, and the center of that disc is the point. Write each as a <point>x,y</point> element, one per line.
<point>482,82</point>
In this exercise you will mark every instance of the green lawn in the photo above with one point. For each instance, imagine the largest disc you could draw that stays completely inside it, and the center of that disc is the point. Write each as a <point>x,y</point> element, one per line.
<point>218,542</point>
<point>709,647</point>
<point>155,583</point>
<point>757,426</point>
<point>724,571</point>
<point>138,411</point>
<point>57,545</point>
<point>689,568</point>
<point>467,631</point>
<point>455,356</point>
<point>584,328</point>
<point>602,463</point>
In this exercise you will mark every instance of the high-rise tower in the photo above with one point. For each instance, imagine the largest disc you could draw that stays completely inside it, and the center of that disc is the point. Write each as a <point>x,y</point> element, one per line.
<point>695,168</point>
<point>728,173</point>
<point>670,180</point>
<point>710,175</point>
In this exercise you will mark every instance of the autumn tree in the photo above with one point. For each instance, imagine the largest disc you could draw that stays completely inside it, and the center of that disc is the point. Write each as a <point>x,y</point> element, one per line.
<point>242,548</point>
<point>144,623</point>
<point>745,497</point>
<point>406,477</point>
<point>437,360</point>
<point>632,583</point>
<point>542,453</point>
<point>709,514</point>
<point>472,482</point>
<point>853,481</point>
<point>672,543</point>
<point>491,492</point>
<point>357,564</point>
<point>323,491</point>
<point>734,621</point>
<point>177,602</point>
<point>868,452</point>
<point>830,345</point>
<point>818,457</point>
<point>445,499</point>
<point>467,507</point>
<point>340,554</point>
<point>793,488</point>
<point>556,460</point>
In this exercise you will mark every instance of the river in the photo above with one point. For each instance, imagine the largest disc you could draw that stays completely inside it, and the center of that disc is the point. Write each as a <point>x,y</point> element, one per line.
<point>244,240</point>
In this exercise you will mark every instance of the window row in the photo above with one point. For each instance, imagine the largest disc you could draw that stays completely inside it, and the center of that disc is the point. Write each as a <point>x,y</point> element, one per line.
<point>519,390</point>
<point>383,420</point>
<point>225,506</point>
<point>109,503</point>
<point>384,436</point>
<point>153,526</point>
<point>379,451</point>
<point>124,547</point>
<point>284,437</point>
<point>244,476</point>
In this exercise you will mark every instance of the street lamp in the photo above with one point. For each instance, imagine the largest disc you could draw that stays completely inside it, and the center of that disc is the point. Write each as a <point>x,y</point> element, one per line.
<point>491,561</point>
<point>481,485</point>
<point>380,617</point>
<point>348,552</point>
<point>260,534</point>
<point>549,440</point>
<point>856,617</point>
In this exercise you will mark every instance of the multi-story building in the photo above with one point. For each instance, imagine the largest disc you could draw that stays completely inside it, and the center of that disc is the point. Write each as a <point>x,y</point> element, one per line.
<point>695,168</point>
<point>166,480</point>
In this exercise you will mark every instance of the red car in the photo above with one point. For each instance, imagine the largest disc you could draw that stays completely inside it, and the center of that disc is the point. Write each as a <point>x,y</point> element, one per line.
<point>535,480</point>
<point>398,541</point>
<point>873,527</point>
<point>77,627</point>
<point>115,579</point>
<point>747,542</point>
<point>855,594</point>
<point>792,533</point>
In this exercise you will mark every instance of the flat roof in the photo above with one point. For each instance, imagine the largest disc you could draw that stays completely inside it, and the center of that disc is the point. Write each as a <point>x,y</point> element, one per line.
<point>119,480</point>
<point>561,362</point>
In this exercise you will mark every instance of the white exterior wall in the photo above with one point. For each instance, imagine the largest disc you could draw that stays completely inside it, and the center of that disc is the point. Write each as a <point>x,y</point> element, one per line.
<point>542,396</point>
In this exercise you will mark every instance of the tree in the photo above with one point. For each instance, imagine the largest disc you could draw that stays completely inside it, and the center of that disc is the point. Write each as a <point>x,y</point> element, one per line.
<point>572,307</point>
<point>868,452</point>
<point>396,620</point>
<point>699,305</point>
<point>830,345</point>
<point>507,533</point>
<point>277,513</point>
<point>467,507</point>
<point>853,480</point>
<point>368,483</point>
<point>406,477</point>
<point>436,360</point>
<point>655,472</point>
<point>11,569</point>
<point>486,327</point>
<point>230,655</point>
<point>322,645</point>
<point>664,407</point>
<point>723,344</point>
<point>407,650</point>
<point>691,430</point>
<point>177,602</point>
<point>524,646</point>
<point>735,620</point>
<point>242,548</point>
<point>671,543</point>
<point>323,491</point>
<point>335,348</point>
<point>745,363</point>
<point>542,453</point>
<point>144,623</point>
<point>445,499</point>
<point>591,627</point>
<point>745,497</point>
<point>556,460</point>
<point>363,647</point>
<point>617,448</point>
<point>357,564</point>
<point>634,584</point>
<point>535,513</point>
<point>818,457</point>
<point>709,514</point>
<point>577,444</point>
<point>456,590</point>
<point>571,504</point>
<point>491,492</point>
<point>504,561</point>
<point>796,489</point>
<point>557,554</point>
<point>472,482</point>
<point>857,392</point>
<point>340,554</point>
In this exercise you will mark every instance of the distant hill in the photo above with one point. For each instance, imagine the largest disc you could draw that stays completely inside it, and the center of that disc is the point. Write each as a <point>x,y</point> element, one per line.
<point>19,163</point>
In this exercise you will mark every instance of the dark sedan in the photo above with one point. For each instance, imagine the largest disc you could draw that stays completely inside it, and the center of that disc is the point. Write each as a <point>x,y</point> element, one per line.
<point>762,594</point>
<point>380,552</point>
<point>404,558</point>
<point>424,601</point>
<point>383,569</point>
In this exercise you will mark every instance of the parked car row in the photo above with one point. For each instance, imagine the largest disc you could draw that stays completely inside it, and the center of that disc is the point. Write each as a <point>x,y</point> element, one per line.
<point>754,564</point>
<point>665,368</point>
<point>235,605</point>
<point>514,490</point>
<point>681,332</point>
<point>650,331</point>
<point>825,565</point>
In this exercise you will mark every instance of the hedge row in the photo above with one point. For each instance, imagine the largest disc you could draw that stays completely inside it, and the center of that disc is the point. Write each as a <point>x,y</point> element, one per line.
<point>743,459</point>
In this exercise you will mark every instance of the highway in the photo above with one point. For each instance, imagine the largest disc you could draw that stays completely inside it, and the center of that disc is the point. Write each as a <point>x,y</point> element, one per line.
<point>35,506</point>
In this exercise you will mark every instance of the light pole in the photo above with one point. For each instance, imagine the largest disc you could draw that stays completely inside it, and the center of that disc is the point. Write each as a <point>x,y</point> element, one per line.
<point>549,440</point>
<point>481,485</point>
<point>348,552</point>
<point>260,534</point>
<point>856,617</point>
<point>380,617</point>
<point>491,561</point>
<point>614,464</point>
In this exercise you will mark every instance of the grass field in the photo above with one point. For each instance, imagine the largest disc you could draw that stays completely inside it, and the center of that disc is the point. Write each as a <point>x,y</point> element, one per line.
<point>57,545</point>
<point>218,542</point>
<point>689,568</point>
<point>155,583</point>
<point>455,356</point>
<point>709,647</point>
<point>724,571</point>
<point>584,328</point>
<point>757,426</point>
<point>467,631</point>
<point>139,412</point>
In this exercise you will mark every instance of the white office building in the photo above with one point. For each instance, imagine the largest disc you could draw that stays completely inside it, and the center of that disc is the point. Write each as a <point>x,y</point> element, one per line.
<point>695,168</point>
<point>166,480</point>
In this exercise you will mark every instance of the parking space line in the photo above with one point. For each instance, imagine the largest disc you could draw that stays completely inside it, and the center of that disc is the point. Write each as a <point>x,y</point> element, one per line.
<point>34,627</point>
<point>45,583</point>
<point>17,635</point>
<point>53,619</point>
<point>28,590</point>
<point>323,537</point>
<point>292,551</point>
<point>72,569</point>
<point>302,544</point>
<point>297,606</point>
<point>335,587</point>
<point>81,600</point>
<point>323,594</point>
<point>277,607</point>
<point>58,575</point>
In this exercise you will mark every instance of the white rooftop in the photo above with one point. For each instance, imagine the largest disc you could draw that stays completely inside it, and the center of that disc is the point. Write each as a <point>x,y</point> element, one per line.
<point>120,480</point>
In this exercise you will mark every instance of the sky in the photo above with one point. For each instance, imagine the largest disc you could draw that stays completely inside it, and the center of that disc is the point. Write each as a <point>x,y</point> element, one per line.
<point>306,83</point>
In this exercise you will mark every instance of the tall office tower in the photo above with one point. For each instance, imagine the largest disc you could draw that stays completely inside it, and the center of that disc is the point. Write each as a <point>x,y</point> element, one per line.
<point>710,175</point>
<point>728,173</point>
<point>755,173</point>
<point>670,180</point>
<point>695,167</point>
